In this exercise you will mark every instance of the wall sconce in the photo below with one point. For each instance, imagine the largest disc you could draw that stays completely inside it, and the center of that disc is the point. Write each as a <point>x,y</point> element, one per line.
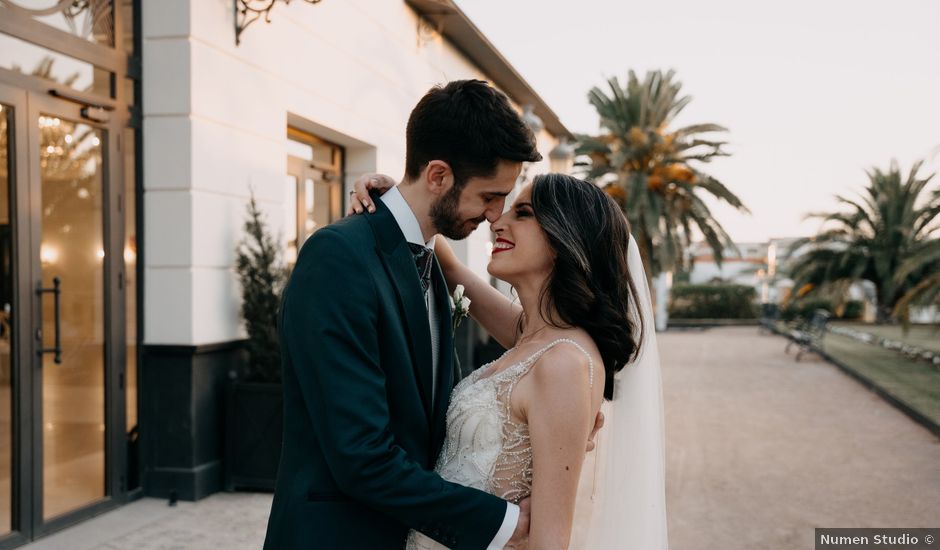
<point>249,11</point>
<point>561,157</point>
<point>532,120</point>
<point>428,30</point>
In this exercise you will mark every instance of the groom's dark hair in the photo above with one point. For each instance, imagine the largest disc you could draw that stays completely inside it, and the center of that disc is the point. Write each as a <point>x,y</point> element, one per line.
<point>469,125</point>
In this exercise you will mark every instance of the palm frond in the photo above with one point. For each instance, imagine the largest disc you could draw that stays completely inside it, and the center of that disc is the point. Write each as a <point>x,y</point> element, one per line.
<point>660,200</point>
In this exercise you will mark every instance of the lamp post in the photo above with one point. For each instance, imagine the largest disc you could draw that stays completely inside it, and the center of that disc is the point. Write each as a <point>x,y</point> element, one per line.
<point>770,290</point>
<point>534,122</point>
<point>561,157</point>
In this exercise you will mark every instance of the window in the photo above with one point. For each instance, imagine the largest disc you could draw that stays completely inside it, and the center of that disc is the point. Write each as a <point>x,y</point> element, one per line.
<point>91,21</point>
<point>27,58</point>
<point>314,187</point>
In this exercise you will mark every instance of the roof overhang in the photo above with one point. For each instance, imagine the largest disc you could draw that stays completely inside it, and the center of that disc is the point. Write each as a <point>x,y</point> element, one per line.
<point>457,28</point>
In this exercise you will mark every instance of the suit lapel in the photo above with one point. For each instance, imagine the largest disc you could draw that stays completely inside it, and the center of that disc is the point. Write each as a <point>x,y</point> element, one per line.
<point>400,266</point>
<point>445,365</point>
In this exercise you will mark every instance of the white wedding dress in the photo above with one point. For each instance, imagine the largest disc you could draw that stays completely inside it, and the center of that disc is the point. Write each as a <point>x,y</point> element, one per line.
<point>621,503</point>
<point>486,447</point>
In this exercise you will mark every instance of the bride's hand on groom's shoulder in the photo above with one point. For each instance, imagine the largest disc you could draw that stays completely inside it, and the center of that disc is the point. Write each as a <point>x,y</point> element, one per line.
<point>359,199</point>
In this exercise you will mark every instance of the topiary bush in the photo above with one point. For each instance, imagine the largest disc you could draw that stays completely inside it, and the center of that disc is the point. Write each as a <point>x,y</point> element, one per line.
<point>262,276</point>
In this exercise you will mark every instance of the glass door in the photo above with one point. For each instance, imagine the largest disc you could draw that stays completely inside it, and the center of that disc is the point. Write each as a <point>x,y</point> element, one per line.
<point>6,319</point>
<point>69,84</point>
<point>61,316</point>
<point>15,427</point>
<point>69,290</point>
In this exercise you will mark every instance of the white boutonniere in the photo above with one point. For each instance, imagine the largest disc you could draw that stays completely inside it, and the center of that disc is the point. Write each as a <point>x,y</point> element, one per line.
<point>460,305</point>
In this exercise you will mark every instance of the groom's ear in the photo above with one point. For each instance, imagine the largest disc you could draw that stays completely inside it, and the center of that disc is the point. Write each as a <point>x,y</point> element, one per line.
<point>438,177</point>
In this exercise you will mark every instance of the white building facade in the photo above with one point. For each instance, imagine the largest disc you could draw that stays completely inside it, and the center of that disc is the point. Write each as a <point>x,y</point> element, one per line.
<point>216,121</point>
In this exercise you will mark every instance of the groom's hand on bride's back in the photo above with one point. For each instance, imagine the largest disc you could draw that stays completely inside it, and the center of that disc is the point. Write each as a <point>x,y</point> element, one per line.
<point>520,537</point>
<point>598,424</point>
<point>359,199</point>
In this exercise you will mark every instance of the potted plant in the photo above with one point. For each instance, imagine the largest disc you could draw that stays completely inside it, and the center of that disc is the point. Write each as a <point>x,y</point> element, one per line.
<point>254,401</point>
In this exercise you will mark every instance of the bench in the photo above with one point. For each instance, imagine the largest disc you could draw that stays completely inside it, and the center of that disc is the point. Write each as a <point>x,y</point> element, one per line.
<point>807,335</point>
<point>769,317</point>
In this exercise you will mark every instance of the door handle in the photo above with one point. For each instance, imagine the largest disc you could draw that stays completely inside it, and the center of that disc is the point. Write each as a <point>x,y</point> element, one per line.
<point>56,291</point>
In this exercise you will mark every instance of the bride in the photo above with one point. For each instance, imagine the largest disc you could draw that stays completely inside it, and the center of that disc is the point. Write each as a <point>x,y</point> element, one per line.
<point>580,339</point>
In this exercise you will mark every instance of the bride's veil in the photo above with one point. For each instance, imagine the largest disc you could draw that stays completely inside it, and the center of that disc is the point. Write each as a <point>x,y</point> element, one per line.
<point>622,495</point>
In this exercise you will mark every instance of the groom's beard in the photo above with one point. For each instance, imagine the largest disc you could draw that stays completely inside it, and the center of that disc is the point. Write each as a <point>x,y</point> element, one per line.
<point>446,219</point>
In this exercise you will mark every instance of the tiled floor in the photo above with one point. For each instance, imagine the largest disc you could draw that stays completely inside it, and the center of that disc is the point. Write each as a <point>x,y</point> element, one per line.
<point>228,521</point>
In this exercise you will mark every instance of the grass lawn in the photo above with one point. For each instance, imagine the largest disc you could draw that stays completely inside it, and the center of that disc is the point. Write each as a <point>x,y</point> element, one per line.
<point>915,383</point>
<point>923,336</point>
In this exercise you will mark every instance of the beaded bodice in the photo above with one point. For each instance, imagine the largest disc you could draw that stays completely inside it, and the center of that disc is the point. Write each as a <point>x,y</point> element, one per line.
<point>486,447</point>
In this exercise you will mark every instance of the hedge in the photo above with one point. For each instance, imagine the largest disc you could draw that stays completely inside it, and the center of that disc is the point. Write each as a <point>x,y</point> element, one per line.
<point>713,301</point>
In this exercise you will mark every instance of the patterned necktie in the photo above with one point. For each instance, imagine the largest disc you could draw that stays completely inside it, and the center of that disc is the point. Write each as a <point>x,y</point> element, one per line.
<point>423,256</point>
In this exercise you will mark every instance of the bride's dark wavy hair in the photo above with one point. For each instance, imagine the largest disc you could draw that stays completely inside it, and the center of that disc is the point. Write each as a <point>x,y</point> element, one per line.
<point>590,285</point>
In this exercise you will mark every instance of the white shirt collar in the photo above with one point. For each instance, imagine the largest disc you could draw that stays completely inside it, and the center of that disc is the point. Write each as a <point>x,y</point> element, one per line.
<point>405,217</point>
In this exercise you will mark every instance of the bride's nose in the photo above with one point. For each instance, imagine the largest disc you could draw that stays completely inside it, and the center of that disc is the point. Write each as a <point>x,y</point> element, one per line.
<point>498,225</point>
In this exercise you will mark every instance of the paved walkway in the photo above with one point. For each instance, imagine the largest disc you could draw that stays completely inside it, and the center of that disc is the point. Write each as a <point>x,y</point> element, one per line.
<point>226,521</point>
<point>759,451</point>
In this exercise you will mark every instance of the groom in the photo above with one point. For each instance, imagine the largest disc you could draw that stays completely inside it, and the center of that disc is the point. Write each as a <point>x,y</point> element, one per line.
<point>368,352</point>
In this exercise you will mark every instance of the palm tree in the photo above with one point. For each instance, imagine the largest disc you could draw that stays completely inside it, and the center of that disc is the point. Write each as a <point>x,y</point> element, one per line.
<point>925,259</point>
<point>653,172</point>
<point>884,237</point>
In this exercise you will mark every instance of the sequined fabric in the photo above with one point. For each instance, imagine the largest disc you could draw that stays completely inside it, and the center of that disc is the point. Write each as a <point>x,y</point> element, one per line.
<point>486,447</point>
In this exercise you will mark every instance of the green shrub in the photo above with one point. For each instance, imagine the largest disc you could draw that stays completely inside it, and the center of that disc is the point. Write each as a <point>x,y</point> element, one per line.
<point>713,301</point>
<point>262,276</point>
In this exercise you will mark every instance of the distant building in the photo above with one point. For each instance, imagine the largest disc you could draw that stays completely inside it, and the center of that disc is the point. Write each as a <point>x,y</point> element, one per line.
<point>758,264</point>
<point>765,266</point>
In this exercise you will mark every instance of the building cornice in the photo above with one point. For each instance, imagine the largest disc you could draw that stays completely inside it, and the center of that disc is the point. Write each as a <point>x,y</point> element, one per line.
<point>457,28</point>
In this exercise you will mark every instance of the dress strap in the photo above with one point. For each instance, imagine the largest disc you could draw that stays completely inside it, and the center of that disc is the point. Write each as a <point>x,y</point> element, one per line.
<point>535,356</point>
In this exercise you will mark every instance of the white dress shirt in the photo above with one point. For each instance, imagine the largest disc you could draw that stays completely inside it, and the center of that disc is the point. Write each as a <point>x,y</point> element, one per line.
<point>408,223</point>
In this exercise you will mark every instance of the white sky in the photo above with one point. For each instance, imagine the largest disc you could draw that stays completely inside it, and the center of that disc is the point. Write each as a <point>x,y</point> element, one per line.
<point>813,92</point>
